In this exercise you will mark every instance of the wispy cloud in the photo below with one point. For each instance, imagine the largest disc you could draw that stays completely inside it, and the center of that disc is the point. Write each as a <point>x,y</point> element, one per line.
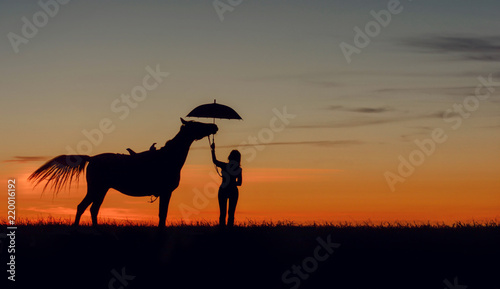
<point>361,109</point>
<point>322,143</point>
<point>25,159</point>
<point>464,48</point>
<point>451,91</point>
<point>418,132</point>
<point>494,126</point>
<point>319,78</point>
<point>359,122</point>
<point>331,79</point>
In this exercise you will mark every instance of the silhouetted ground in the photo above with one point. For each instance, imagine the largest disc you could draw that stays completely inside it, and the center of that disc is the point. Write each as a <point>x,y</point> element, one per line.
<point>58,256</point>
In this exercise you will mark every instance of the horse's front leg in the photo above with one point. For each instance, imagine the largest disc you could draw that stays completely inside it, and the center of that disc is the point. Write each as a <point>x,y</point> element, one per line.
<point>164,200</point>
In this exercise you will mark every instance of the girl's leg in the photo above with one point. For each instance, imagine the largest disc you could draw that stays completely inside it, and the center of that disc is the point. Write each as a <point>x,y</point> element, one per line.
<point>222,208</point>
<point>233,200</point>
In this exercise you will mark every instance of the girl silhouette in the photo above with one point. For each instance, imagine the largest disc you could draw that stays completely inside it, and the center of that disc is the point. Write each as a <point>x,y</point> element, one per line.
<point>228,190</point>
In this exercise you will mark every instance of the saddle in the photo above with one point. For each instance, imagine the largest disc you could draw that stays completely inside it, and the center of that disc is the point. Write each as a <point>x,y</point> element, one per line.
<point>151,148</point>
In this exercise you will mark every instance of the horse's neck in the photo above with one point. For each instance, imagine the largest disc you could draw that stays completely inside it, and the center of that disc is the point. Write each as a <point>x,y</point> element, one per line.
<point>178,148</point>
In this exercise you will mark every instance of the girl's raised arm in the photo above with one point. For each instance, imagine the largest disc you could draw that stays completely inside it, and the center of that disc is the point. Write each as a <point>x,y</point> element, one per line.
<point>214,158</point>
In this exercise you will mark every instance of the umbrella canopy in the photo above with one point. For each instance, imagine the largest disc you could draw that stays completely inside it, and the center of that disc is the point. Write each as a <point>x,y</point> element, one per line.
<point>214,110</point>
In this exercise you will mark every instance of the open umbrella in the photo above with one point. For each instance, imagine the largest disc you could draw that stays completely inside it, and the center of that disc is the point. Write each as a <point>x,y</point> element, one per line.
<point>214,110</point>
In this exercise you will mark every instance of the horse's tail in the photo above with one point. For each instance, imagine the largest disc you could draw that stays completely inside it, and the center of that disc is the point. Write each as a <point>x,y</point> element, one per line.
<point>60,171</point>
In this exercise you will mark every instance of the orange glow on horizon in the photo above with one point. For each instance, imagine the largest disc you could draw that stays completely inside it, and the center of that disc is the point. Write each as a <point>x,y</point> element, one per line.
<point>269,194</point>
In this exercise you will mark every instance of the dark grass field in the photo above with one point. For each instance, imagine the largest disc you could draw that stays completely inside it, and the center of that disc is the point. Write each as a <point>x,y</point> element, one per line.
<point>52,255</point>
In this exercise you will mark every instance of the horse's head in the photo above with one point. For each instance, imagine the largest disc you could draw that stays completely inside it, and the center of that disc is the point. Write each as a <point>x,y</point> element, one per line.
<point>198,130</point>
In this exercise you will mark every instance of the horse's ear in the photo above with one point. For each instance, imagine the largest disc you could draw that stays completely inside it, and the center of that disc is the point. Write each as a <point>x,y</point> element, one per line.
<point>183,121</point>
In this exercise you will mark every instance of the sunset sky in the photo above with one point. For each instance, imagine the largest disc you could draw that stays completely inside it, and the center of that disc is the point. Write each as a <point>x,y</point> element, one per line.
<point>351,120</point>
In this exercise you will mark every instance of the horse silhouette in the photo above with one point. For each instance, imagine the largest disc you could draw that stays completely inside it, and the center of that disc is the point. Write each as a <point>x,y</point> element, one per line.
<point>152,172</point>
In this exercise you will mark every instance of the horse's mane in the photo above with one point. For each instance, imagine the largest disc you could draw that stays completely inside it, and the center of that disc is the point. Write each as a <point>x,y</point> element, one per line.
<point>167,145</point>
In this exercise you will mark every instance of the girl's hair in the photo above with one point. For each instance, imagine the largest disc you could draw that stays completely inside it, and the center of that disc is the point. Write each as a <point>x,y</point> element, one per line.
<point>235,155</point>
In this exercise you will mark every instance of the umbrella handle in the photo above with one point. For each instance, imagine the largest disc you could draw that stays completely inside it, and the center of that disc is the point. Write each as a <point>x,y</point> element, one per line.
<point>213,141</point>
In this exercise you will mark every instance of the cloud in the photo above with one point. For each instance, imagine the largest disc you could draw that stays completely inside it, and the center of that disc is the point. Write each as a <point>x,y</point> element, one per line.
<point>465,48</point>
<point>318,78</point>
<point>361,109</point>
<point>323,143</point>
<point>52,210</point>
<point>25,159</point>
<point>420,131</point>
<point>452,91</point>
<point>442,114</point>
<point>332,79</point>
<point>497,126</point>
<point>475,74</point>
<point>323,83</point>
<point>359,122</point>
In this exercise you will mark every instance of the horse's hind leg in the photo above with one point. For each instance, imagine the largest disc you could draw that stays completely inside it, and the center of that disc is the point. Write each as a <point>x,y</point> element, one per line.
<point>97,199</point>
<point>81,208</point>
